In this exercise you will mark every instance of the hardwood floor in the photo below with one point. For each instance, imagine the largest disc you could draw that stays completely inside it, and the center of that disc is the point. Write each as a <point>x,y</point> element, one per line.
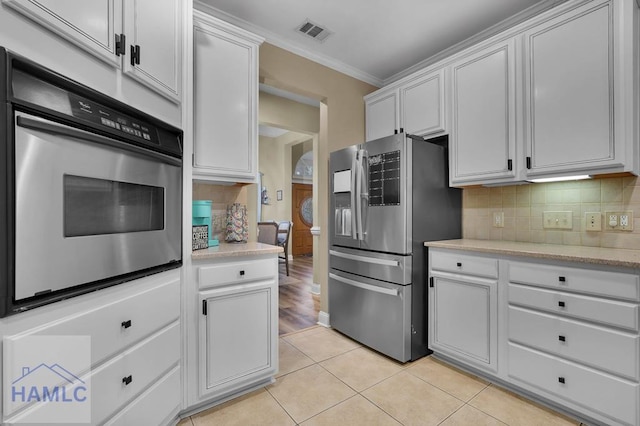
<point>298,306</point>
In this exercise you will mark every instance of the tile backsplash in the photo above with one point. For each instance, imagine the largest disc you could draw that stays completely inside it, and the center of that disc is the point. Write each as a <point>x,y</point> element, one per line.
<point>222,196</point>
<point>523,207</point>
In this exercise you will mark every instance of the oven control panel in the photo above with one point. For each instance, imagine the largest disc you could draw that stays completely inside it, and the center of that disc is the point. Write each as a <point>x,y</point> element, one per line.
<point>98,114</point>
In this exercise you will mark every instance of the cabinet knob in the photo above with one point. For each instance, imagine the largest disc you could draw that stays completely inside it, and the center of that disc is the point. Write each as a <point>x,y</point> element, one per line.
<point>459,264</point>
<point>562,279</point>
<point>561,304</point>
<point>242,273</point>
<point>561,379</point>
<point>127,380</point>
<point>126,324</point>
<point>562,338</point>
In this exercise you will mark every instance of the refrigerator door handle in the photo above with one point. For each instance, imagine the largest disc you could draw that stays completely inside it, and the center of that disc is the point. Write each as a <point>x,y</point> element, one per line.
<point>359,173</point>
<point>385,262</point>
<point>364,286</point>
<point>354,213</point>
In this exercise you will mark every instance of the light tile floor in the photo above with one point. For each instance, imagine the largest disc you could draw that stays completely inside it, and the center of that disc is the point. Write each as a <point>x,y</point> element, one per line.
<point>328,379</point>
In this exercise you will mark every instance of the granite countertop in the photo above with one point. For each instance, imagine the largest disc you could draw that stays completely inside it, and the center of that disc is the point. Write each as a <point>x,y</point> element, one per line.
<point>593,255</point>
<point>235,249</point>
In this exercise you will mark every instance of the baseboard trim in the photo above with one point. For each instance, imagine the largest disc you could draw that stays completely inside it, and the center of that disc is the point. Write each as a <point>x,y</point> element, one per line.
<point>323,319</point>
<point>315,288</point>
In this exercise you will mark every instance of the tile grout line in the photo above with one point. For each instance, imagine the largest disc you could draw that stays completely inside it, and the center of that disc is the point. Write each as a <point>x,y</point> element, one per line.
<point>280,405</point>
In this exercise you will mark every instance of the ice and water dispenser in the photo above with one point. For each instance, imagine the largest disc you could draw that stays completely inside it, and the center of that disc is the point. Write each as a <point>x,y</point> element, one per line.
<point>342,200</point>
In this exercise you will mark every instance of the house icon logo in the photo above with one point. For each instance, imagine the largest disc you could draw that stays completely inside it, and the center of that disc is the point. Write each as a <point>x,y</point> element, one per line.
<point>48,383</point>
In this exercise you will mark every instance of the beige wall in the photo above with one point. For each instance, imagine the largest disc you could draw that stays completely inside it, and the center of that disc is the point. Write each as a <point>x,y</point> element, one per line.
<point>523,206</point>
<point>341,123</point>
<point>287,114</point>
<point>275,164</point>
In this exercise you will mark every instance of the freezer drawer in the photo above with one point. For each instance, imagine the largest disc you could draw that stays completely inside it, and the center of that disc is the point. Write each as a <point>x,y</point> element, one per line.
<point>393,268</point>
<point>375,313</point>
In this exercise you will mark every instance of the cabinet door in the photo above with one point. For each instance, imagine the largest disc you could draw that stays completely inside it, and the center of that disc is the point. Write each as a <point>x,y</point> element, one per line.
<point>463,319</point>
<point>569,63</point>
<point>483,115</point>
<point>238,336</point>
<point>225,93</point>
<point>422,105</point>
<point>382,115</point>
<point>153,29</point>
<point>90,24</point>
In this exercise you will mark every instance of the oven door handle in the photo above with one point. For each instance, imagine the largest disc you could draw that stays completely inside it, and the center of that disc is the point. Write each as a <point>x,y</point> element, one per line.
<point>364,286</point>
<point>61,129</point>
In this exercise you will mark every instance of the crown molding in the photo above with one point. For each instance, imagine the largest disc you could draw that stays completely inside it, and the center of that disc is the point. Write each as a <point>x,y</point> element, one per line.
<point>276,40</point>
<point>501,26</point>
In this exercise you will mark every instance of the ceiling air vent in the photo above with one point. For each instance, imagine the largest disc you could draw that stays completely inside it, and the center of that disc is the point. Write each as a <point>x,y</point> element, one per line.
<point>314,31</point>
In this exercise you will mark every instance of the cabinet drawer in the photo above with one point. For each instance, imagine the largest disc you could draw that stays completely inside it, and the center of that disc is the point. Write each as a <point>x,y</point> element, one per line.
<point>120,324</point>
<point>611,284</point>
<point>608,312</point>
<point>144,364</point>
<point>156,406</point>
<point>236,272</point>
<point>602,348</point>
<point>464,264</point>
<point>595,391</point>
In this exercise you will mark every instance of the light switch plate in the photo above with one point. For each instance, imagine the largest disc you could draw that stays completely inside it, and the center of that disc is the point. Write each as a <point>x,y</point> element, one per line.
<point>498,219</point>
<point>557,220</point>
<point>593,221</point>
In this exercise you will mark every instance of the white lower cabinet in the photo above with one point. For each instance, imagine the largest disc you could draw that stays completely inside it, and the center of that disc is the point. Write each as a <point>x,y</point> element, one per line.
<point>236,342</point>
<point>236,334</point>
<point>464,321</point>
<point>463,311</point>
<point>134,366</point>
<point>565,333</point>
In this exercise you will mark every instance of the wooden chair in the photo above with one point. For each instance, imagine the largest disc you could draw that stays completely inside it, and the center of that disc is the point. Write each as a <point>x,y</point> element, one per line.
<point>268,233</point>
<point>284,231</point>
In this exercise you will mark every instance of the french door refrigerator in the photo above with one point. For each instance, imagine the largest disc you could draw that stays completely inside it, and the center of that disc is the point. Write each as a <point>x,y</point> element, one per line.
<point>387,197</point>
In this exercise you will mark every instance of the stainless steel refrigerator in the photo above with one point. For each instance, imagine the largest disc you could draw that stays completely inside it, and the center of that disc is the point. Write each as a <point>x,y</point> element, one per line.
<point>388,196</point>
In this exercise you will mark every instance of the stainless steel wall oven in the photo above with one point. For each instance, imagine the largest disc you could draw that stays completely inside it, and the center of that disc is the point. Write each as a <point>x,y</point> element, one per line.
<point>92,189</point>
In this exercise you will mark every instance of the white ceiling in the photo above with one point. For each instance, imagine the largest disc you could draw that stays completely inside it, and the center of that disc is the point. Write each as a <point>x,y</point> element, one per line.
<point>377,41</point>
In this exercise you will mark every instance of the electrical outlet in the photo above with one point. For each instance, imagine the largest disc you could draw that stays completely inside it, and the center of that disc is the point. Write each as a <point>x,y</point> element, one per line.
<point>593,221</point>
<point>557,220</point>
<point>498,219</point>
<point>619,221</point>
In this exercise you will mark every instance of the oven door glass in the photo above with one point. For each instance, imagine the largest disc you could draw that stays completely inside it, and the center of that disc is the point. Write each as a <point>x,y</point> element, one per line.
<point>103,206</point>
<point>88,209</point>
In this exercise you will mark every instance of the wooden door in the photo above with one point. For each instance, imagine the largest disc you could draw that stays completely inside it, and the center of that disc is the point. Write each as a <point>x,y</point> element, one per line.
<point>301,239</point>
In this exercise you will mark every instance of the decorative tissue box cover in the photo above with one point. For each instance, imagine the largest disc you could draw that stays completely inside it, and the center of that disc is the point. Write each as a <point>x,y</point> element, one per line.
<point>200,238</point>
<point>237,226</point>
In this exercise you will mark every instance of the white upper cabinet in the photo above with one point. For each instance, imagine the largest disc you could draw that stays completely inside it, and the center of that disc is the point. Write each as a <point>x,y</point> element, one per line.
<point>483,114</point>
<point>225,101</point>
<point>382,114</point>
<point>92,25</point>
<point>422,104</point>
<point>112,32</point>
<point>556,95</point>
<point>571,63</point>
<point>416,107</point>
<point>153,30</point>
